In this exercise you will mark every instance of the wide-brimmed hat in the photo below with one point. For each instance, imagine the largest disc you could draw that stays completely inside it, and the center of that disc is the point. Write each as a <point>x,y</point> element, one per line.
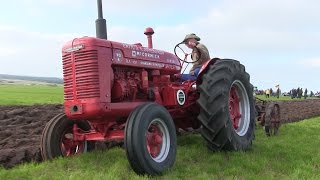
<point>191,36</point>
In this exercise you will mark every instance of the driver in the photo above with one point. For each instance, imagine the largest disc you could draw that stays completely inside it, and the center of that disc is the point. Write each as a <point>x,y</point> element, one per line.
<point>199,55</point>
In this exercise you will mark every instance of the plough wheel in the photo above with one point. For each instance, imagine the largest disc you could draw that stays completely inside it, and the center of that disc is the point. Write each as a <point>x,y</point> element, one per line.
<point>272,119</point>
<point>57,138</point>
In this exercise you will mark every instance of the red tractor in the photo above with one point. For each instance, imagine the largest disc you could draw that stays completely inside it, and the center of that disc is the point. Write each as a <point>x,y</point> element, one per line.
<point>127,92</point>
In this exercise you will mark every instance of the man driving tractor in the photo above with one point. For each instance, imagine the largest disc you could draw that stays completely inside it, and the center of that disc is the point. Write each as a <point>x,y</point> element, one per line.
<point>199,55</point>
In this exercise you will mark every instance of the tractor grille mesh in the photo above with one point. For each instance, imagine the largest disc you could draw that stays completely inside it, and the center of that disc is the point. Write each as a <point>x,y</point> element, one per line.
<point>82,75</point>
<point>67,76</point>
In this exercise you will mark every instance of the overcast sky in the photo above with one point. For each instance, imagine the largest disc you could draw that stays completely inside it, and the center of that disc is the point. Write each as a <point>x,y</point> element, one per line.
<point>277,40</point>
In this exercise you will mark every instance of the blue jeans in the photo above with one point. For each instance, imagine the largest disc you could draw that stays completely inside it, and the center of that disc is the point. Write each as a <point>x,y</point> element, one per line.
<point>191,77</point>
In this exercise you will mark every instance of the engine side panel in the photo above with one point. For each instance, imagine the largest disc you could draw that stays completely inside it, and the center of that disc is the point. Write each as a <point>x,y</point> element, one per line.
<point>138,56</point>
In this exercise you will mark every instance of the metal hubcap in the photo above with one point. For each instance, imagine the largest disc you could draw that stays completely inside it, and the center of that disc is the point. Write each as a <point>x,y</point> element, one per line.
<point>70,147</point>
<point>234,108</point>
<point>239,108</point>
<point>158,140</point>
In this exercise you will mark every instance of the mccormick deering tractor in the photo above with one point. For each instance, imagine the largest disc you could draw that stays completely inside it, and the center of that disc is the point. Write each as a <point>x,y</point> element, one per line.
<point>127,92</point>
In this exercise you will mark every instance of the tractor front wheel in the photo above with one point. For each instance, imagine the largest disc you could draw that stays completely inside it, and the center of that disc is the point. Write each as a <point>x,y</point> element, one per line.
<point>57,138</point>
<point>150,139</point>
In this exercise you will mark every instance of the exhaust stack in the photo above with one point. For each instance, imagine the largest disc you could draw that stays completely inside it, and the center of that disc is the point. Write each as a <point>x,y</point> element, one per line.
<point>101,25</point>
<point>149,32</point>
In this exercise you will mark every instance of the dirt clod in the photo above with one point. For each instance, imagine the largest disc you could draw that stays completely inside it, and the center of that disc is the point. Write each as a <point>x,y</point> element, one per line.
<point>20,132</point>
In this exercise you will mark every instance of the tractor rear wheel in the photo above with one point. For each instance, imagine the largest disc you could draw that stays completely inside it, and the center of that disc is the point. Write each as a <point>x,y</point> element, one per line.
<point>150,139</point>
<point>227,112</point>
<point>57,138</point>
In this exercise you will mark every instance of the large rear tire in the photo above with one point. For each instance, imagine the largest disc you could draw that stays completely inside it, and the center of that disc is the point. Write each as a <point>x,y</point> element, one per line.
<point>150,139</point>
<point>227,112</point>
<point>57,138</point>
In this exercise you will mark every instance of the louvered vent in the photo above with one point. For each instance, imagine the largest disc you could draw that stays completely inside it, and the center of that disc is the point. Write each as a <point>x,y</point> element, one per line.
<point>67,77</point>
<point>86,73</point>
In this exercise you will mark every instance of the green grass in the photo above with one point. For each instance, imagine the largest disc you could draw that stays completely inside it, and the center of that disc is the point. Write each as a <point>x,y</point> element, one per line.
<point>273,98</point>
<point>29,95</point>
<point>282,98</point>
<point>294,154</point>
<point>43,94</point>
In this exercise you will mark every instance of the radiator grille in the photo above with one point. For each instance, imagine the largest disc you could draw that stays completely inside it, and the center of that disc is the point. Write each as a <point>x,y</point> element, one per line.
<point>83,77</point>
<point>67,76</point>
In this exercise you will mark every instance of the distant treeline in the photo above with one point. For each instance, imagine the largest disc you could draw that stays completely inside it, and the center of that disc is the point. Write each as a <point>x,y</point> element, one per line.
<point>31,78</point>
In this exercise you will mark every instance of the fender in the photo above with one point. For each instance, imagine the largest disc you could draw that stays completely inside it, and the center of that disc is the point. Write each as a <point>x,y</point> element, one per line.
<point>204,68</point>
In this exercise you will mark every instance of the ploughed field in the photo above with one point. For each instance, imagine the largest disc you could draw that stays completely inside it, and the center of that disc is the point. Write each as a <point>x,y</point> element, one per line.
<point>20,132</point>
<point>21,127</point>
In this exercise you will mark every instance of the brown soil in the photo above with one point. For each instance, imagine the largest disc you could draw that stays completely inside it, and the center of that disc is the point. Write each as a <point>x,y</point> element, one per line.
<point>20,132</point>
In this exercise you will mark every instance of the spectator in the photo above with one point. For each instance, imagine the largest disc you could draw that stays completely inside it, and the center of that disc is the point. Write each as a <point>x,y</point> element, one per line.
<point>295,93</point>
<point>305,93</point>
<point>278,91</point>
<point>311,94</point>
<point>267,93</point>
<point>300,93</point>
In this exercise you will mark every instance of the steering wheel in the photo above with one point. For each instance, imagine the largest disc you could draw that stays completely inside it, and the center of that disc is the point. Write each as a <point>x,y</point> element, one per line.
<point>185,54</point>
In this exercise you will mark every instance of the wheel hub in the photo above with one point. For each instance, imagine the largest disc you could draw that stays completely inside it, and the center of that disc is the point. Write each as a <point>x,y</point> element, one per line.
<point>154,140</point>
<point>158,140</point>
<point>239,108</point>
<point>70,147</point>
<point>234,108</point>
